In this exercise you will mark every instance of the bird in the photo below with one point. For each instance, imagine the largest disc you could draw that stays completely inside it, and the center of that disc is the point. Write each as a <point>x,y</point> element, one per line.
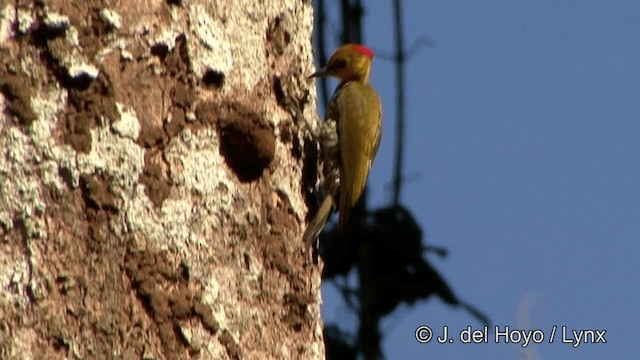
<point>350,135</point>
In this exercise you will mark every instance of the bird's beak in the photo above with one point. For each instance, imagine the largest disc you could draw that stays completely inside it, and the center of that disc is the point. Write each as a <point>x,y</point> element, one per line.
<point>318,73</point>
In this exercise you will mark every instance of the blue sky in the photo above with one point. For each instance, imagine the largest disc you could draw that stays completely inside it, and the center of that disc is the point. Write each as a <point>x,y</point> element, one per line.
<point>523,153</point>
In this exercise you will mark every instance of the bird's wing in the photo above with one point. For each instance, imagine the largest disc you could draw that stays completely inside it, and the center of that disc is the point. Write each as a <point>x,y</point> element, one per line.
<point>359,129</point>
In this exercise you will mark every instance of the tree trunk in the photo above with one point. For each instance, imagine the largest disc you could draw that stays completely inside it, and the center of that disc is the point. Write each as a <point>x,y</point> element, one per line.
<point>152,197</point>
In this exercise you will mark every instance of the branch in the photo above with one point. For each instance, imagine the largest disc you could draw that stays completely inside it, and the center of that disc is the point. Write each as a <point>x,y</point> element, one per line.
<point>399,60</point>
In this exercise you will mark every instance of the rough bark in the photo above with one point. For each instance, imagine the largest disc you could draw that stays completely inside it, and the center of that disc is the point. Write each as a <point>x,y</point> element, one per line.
<point>152,199</point>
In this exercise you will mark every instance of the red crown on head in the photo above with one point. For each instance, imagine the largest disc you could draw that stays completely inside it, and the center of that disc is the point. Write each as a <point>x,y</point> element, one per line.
<point>362,50</point>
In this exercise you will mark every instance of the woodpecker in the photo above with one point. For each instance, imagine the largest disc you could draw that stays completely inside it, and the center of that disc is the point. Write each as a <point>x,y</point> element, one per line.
<point>350,135</point>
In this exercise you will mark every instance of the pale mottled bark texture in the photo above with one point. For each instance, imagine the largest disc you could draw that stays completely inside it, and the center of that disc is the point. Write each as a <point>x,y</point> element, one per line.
<point>152,198</point>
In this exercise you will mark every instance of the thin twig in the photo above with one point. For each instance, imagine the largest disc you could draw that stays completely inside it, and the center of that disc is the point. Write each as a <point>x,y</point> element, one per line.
<point>399,59</point>
<point>417,44</point>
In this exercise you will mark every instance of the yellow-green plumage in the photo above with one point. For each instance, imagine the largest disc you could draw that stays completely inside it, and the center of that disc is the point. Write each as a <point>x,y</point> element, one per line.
<point>359,133</point>
<point>350,146</point>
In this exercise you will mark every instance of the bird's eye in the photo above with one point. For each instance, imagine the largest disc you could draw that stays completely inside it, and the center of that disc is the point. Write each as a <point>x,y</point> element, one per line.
<point>339,64</point>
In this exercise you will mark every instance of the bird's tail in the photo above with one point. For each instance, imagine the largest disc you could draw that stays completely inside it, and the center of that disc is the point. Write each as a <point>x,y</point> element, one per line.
<point>319,220</point>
